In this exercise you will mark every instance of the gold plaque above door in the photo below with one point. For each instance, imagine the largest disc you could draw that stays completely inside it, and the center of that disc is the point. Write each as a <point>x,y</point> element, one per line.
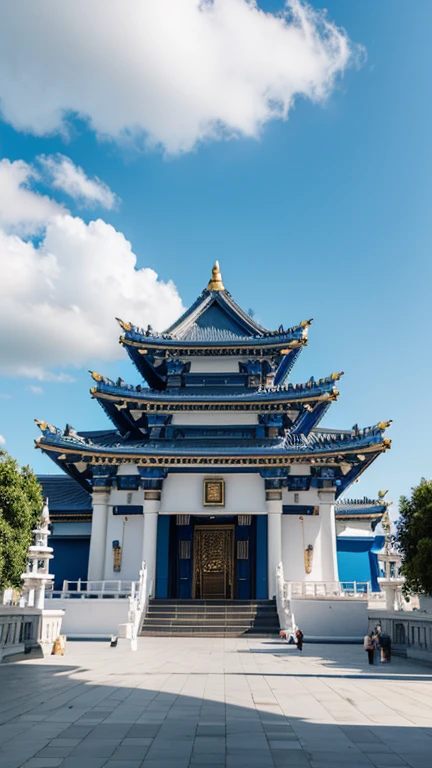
<point>214,492</point>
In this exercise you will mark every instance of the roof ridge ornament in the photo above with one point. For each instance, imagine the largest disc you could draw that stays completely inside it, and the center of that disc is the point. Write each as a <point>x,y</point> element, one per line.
<point>216,283</point>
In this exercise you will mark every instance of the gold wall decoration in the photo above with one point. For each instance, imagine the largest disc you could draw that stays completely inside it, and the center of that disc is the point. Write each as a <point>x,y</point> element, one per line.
<point>214,492</point>
<point>117,556</point>
<point>307,551</point>
<point>308,558</point>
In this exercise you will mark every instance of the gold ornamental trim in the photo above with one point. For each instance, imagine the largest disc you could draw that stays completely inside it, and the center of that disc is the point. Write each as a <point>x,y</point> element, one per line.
<point>152,495</point>
<point>261,344</point>
<point>214,492</point>
<point>160,405</point>
<point>156,460</point>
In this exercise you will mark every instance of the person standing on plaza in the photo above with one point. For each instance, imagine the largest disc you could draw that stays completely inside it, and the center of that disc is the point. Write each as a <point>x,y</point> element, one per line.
<point>299,639</point>
<point>369,645</point>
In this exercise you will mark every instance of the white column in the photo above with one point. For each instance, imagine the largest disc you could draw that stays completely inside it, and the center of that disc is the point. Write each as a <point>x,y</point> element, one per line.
<point>274,533</point>
<point>151,515</point>
<point>327,538</point>
<point>96,565</point>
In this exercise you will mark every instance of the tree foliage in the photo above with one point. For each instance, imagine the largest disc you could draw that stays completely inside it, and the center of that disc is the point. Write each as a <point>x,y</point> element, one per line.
<point>414,538</point>
<point>21,505</point>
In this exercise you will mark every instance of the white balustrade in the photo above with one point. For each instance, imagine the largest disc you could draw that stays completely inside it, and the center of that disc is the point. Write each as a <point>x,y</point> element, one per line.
<point>357,590</point>
<point>96,589</point>
<point>24,629</point>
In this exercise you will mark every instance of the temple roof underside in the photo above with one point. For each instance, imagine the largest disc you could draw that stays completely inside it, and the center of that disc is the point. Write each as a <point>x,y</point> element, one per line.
<point>347,453</point>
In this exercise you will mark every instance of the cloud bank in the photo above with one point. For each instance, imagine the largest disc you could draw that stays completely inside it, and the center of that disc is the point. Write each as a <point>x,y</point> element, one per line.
<point>63,174</point>
<point>174,72</point>
<point>60,294</point>
<point>21,208</point>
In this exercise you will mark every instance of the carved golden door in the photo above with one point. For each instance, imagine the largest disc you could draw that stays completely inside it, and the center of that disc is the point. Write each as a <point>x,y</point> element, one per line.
<point>213,562</point>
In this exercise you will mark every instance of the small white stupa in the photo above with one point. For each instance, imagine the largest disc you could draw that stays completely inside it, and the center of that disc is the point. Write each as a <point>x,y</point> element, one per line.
<point>390,562</point>
<point>37,577</point>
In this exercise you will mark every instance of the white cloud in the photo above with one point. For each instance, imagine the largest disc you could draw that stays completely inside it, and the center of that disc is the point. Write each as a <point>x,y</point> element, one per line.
<point>65,175</point>
<point>59,296</point>
<point>36,390</point>
<point>2,440</point>
<point>21,208</point>
<point>176,72</point>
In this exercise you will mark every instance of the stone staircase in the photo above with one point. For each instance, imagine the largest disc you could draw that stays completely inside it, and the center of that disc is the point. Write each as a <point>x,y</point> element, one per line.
<point>210,618</point>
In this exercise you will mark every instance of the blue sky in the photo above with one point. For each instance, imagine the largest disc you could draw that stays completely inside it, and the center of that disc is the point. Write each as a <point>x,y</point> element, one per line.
<point>324,215</point>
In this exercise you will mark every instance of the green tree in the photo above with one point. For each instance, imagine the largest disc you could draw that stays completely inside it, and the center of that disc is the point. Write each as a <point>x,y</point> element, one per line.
<point>414,538</point>
<point>21,505</point>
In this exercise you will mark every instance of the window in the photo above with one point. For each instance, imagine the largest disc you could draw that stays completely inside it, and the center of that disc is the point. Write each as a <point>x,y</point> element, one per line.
<point>185,550</point>
<point>243,550</point>
<point>128,482</point>
<point>182,519</point>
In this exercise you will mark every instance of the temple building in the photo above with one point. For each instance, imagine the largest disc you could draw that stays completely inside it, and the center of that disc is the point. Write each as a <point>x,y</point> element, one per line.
<point>216,468</point>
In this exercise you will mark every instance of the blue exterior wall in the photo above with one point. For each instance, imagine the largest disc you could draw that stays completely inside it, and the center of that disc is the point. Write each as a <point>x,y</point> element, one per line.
<point>261,563</point>
<point>358,560</point>
<point>71,557</point>
<point>162,556</point>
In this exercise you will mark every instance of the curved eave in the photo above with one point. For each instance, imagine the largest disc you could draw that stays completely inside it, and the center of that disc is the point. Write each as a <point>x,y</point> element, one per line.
<point>172,401</point>
<point>172,455</point>
<point>366,516</point>
<point>264,345</point>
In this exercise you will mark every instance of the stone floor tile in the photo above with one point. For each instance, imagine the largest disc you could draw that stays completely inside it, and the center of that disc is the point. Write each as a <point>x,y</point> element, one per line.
<point>130,753</point>
<point>382,760</point>
<point>87,762</point>
<point>123,764</point>
<point>284,744</point>
<point>43,762</point>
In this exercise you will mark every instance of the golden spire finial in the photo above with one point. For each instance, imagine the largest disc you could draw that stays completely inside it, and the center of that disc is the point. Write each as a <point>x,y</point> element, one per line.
<point>216,283</point>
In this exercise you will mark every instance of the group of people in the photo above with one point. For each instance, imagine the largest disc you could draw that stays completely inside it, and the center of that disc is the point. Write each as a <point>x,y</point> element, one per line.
<point>293,637</point>
<point>377,640</point>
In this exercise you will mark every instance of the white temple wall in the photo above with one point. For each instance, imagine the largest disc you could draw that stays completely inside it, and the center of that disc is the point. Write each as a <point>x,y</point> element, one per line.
<point>128,530</point>
<point>183,494</point>
<point>358,525</point>
<point>214,364</point>
<point>293,551</point>
<point>214,418</point>
<point>319,530</point>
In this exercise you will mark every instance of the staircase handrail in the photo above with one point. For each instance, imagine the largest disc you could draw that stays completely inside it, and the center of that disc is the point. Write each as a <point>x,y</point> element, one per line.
<point>138,606</point>
<point>283,602</point>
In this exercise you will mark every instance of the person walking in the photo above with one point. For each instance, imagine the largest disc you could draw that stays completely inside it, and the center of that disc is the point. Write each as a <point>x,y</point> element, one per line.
<point>369,644</point>
<point>299,639</point>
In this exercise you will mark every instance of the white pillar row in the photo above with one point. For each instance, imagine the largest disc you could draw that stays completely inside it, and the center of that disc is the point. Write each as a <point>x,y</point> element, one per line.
<point>151,516</point>
<point>327,537</point>
<point>274,533</point>
<point>96,564</point>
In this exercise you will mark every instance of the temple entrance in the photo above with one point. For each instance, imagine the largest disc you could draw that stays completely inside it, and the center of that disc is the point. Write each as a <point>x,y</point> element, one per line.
<point>213,557</point>
<point>213,577</point>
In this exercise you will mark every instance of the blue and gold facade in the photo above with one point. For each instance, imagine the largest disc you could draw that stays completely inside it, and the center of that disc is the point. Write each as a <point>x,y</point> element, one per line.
<point>214,405</point>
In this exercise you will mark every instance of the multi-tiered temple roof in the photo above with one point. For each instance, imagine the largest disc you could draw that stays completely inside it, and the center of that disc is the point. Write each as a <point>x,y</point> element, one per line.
<point>250,376</point>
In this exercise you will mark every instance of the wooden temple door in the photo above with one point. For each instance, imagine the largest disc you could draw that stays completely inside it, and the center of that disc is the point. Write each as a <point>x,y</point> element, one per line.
<point>214,562</point>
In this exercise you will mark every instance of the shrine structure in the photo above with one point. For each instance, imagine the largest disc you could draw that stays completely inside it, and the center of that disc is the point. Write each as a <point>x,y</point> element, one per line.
<point>216,468</point>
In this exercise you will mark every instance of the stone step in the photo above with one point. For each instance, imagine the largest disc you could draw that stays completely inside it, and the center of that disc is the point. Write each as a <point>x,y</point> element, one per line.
<point>181,621</point>
<point>208,631</point>
<point>210,618</point>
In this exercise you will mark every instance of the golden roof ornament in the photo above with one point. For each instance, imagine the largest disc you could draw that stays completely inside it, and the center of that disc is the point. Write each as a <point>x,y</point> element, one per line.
<point>216,283</point>
<point>384,424</point>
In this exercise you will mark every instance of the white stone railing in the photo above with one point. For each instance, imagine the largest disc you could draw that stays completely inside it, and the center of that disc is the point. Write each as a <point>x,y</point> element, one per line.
<point>410,631</point>
<point>358,590</point>
<point>138,606</point>
<point>283,602</point>
<point>25,629</point>
<point>96,589</point>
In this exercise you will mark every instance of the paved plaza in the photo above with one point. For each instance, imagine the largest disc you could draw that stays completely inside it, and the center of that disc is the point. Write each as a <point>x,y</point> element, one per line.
<point>177,703</point>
